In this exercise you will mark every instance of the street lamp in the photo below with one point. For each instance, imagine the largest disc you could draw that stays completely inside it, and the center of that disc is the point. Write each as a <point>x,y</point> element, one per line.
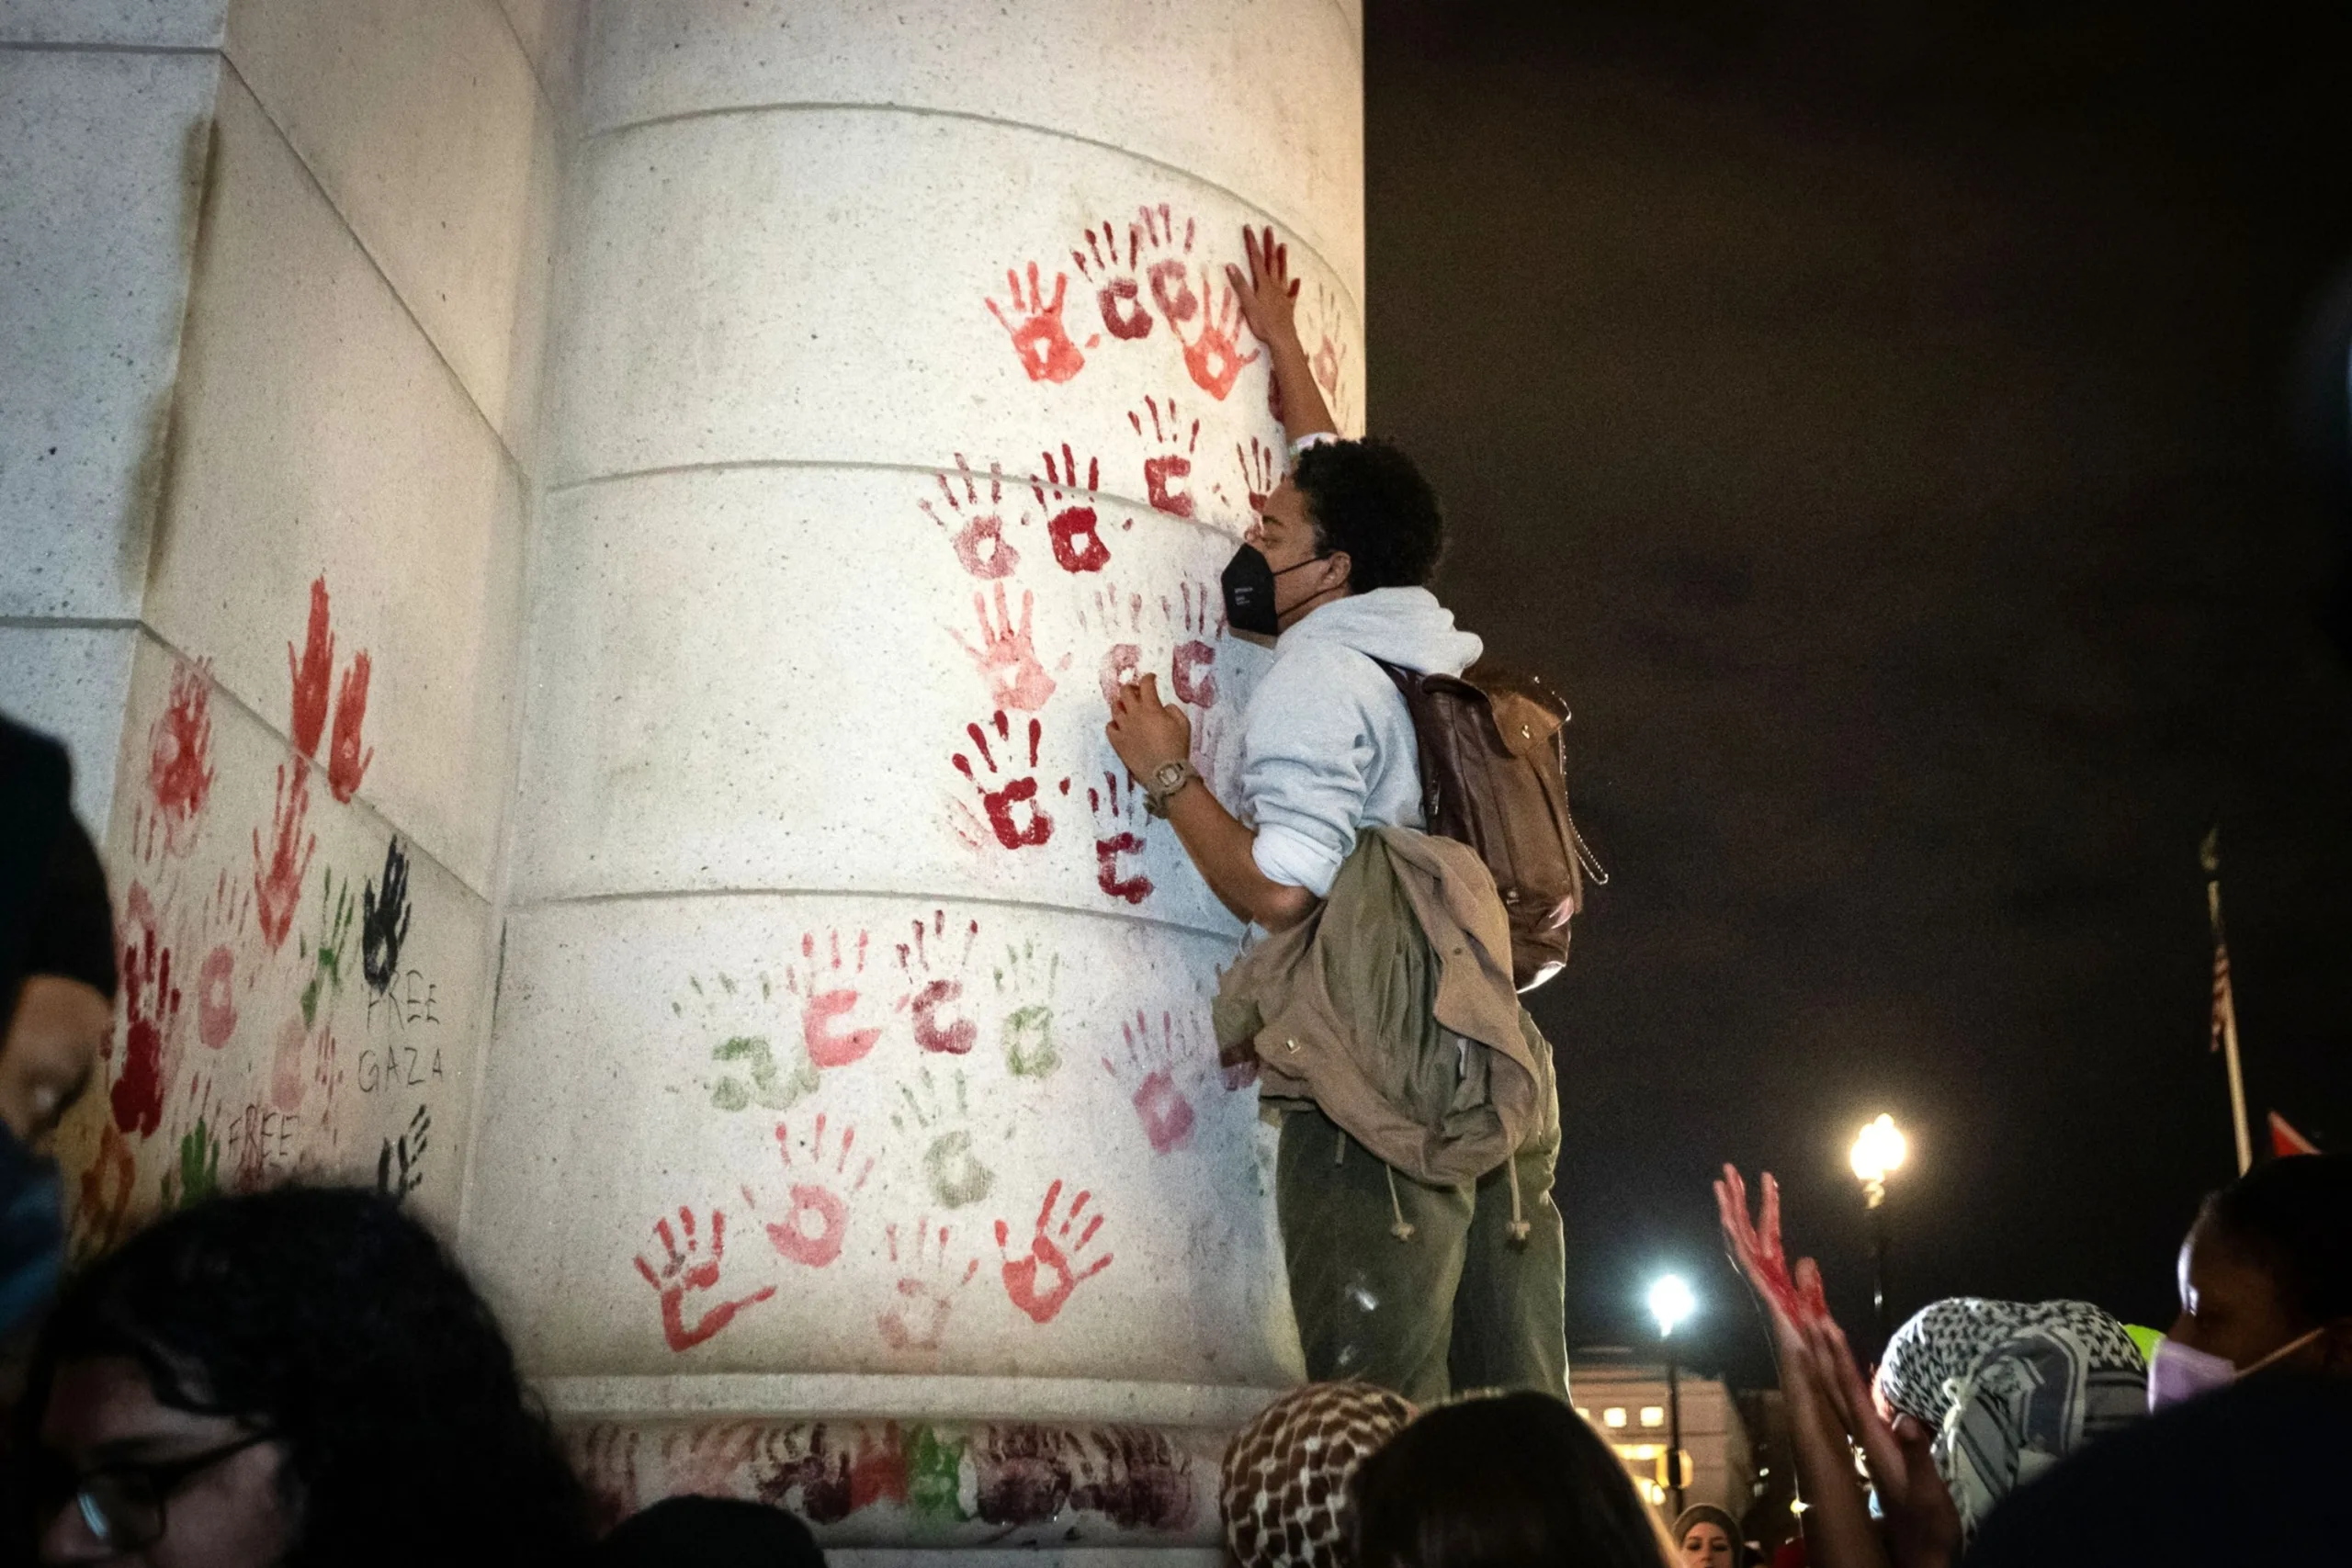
<point>1878,1151</point>
<point>1671,1302</point>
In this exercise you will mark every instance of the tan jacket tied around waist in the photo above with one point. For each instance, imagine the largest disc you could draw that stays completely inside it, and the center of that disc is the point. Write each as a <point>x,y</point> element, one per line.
<point>1390,1006</point>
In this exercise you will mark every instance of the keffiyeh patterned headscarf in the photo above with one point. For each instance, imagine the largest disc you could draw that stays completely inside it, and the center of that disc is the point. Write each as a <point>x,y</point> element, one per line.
<point>2011,1388</point>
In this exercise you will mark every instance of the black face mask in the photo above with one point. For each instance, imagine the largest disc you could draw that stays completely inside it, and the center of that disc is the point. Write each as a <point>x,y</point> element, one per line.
<point>1249,591</point>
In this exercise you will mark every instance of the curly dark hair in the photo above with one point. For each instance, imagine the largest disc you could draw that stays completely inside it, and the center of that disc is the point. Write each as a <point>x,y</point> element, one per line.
<point>1366,497</point>
<point>1495,1481</point>
<point>2292,1219</point>
<point>331,1318</point>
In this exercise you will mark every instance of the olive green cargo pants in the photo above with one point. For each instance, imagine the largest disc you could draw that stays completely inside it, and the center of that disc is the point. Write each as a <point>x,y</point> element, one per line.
<point>1422,1289</point>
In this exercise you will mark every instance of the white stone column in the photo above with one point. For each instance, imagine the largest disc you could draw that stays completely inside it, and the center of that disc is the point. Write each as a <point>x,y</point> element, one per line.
<point>852,1135</point>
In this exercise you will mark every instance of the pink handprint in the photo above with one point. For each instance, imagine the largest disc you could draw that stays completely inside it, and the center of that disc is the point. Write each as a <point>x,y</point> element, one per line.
<point>1213,355</point>
<point>1041,1283</point>
<point>812,1229</point>
<point>1044,348</point>
<point>917,1316</point>
<point>1120,298</point>
<point>1075,531</point>
<point>681,1274</point>
<point>982,548</point>
<point>1154,1065</point>
<point>936,1030</point>
<point>1117,615</point>
<point>1007,655</point>
<point>1002,801</point>
<point>1113,837</point>
<point>1192,669</point>
<point>1164,473</point>
<point>830,999</point>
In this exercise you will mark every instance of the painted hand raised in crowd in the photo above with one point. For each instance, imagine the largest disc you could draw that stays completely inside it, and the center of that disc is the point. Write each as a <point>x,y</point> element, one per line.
<point>1831,1408</point>
<point>1145,731</point>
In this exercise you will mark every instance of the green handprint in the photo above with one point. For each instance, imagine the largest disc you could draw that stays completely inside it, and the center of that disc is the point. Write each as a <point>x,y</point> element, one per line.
<point>198,1177</point>
<point>334,919</point>
<point>1028,1029</point>
<point>766,1089</point>
<point>952,1171</point>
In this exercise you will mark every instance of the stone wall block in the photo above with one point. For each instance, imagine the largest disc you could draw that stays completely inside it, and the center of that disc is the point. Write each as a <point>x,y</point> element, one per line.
<point>71,681</point>
<point>134,24</point>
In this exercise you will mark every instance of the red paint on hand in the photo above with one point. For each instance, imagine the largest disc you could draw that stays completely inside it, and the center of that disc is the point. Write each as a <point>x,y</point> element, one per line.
<point>277,881</point>
<point>344,764</point>
<point>311,674</point>
<point>1035,325</point>
<point>681,1274</point>
<point>1041,1282</point>
<point>179,747</point>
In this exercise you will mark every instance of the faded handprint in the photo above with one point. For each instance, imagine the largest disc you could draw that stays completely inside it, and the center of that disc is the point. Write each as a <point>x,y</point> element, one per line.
<point>1321,322</point>
<point>1024,1473</point>
<point>1119,824</point>
<point>1172,443</point>
<point>950,1167</point>
<point>216,991</point>
<point>1075,531</point>
<point>179,756</point>
<point>916,1318</point>
<point>767,1087</point>
<point>1197,616</point>
<point>1213,355</point>
<point>1006,804</point>
<point>682,1272</point>
<point>277,881</point>
<point>977,530</point>
<point>812,1229</point>
<point>103,1214</point>
<point>830,1001</point>
<point>1116,291</point>
<point>1118,615</point>
<point>334,935</point>
<point>399,1165</point>
<point>1041,1282</point>
<point>1135,1477</point>
<point>1035,325</point>
<point>288,1071</point>
<point>1159,1068</point>
<point>936,1030</point>
<point>1170,275</point>
<point>1028,980</point>
<point>1006,655</point>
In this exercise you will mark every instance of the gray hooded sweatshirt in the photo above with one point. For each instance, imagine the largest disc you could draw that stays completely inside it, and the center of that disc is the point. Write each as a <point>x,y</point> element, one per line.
<point>1327,747</point>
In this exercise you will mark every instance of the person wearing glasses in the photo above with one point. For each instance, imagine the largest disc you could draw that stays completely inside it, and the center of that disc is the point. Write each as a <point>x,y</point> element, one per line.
<point>297,1376</point>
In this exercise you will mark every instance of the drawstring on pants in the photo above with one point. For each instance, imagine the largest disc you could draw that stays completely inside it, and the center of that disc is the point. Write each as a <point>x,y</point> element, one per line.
<point>1402,1230</point>
<point>1520,1229</point>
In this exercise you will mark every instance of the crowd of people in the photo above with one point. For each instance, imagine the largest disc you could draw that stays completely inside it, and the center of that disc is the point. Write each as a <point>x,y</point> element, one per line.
<point>305,1375</point>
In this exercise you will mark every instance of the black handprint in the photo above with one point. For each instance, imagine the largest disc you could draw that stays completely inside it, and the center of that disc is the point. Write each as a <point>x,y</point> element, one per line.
<point>396,1168</point>
<point>383,926</point>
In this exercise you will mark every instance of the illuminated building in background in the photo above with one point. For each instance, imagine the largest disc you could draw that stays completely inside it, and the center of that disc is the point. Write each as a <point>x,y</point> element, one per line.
<point>1625,1400</point>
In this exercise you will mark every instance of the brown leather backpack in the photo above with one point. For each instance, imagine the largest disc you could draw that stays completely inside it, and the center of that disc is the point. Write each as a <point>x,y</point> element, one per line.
<point>1494,775</point>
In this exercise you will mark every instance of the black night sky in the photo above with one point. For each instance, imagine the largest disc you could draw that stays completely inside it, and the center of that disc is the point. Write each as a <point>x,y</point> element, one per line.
<point>1878,418</point>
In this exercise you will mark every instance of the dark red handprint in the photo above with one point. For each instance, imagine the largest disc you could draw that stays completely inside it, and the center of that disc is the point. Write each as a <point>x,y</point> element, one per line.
<point>1213,355</point>
<point>1196,617</point>
<point>829,993</point>
<point>1118,830</point>
<point>976,529</point>
<point>1171,275</point>
<point>1259,473</point>
<point>150,1009</point>
<point>1035,325</point>
<point>1075,531</point>
<point>682,1272</point>
<point>1117,292</point>
<point>1014,817</point>
<point>812,1230</point>
<point>346,766</point>
<point>1041,1282</point>
<point>277,880</point>
<point>179,756</point>
<point>937,1029</point>
<point>1171,463</point>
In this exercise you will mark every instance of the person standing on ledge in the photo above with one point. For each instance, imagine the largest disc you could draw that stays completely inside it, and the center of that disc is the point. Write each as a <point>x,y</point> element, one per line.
<point>1420,1287</point>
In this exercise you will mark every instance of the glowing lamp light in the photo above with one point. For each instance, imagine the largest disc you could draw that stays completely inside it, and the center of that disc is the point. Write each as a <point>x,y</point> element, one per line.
<point>1671,1302</point>
<point>1878,1150</point>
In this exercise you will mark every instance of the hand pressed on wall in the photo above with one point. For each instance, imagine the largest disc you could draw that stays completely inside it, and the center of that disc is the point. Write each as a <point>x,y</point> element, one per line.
<point>1145,731</point>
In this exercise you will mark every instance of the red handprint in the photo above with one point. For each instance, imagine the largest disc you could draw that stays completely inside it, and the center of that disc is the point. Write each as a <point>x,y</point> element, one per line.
<point>1000,802</point>
<point>1114,837</point>
<point>1259,473</point>
<point>982,548</point>
<point>1213,355</point>
<point>1117,294</point>
<point>1165,472</point>
<point>179,747</point>
<point>1155,1065</point>
<point>1007,655</point>
<point>1192,669</point>
<point>1044,348</point>
<point>313,673</point>
<point>812,1230</point>
<point>917,1316</point>
<point>828,999</point>
<point>344,764</point>
<point>681,1274</point>
<point>934,1032</point>
<point>1075,532</point>
<point>277,882</point>
<point>1118,615</point>
<point>150,1008</point>
<point>1040,1284</point>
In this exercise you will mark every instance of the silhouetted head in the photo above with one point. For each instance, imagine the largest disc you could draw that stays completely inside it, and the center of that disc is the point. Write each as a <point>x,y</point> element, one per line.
<point>2268,1261</point>
<point>708,1533</point>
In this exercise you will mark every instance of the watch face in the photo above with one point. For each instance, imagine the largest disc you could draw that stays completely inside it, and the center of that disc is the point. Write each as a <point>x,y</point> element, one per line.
<point>1168,776</point>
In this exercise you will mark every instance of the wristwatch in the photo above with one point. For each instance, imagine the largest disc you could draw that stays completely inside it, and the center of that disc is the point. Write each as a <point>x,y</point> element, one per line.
<point>1164,781</point>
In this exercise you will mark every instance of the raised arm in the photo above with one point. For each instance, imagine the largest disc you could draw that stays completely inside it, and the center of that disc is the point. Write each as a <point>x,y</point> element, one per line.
<point>1269,299</point>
